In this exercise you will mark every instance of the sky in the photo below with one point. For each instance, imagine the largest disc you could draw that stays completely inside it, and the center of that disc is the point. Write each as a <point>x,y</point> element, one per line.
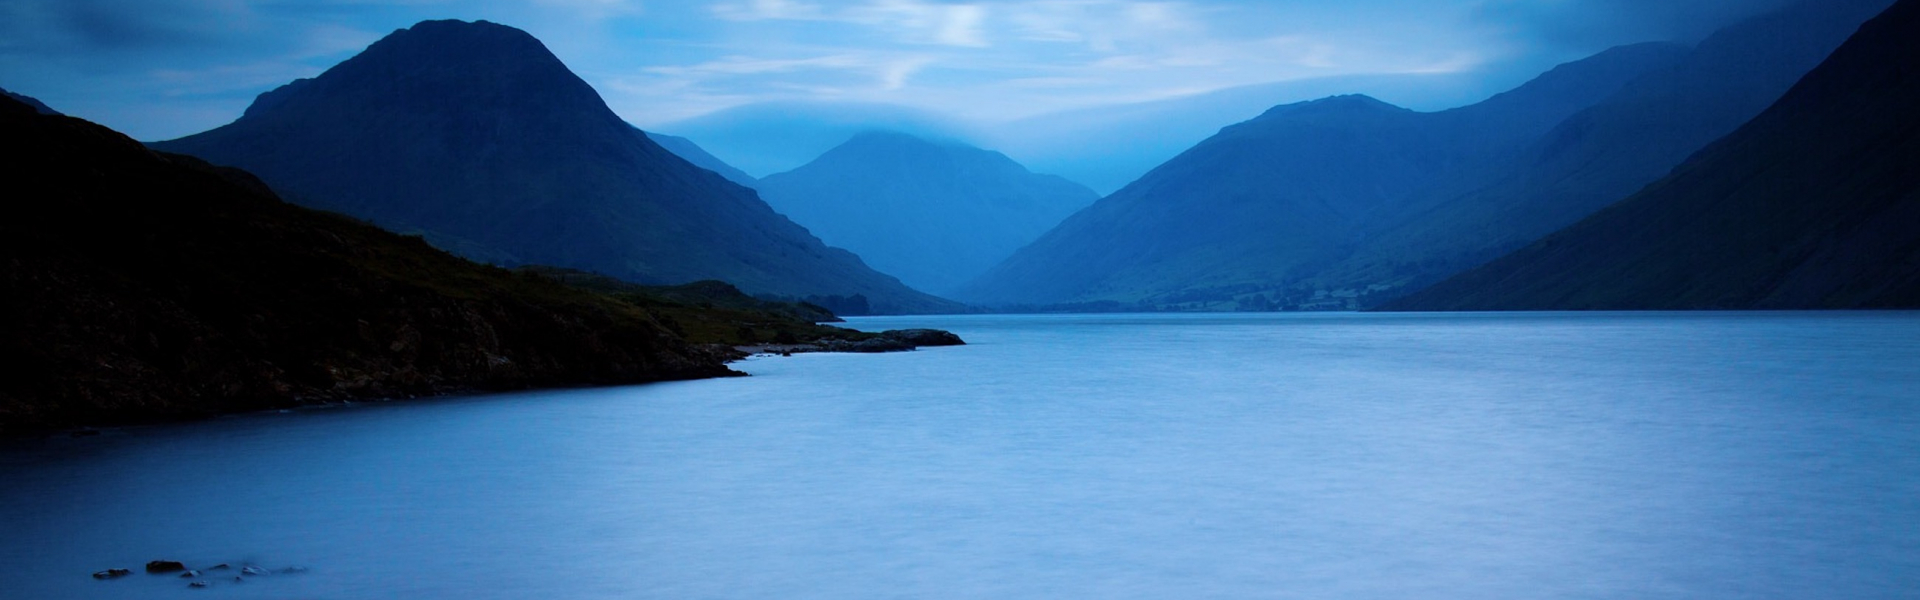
<point>158,69</point>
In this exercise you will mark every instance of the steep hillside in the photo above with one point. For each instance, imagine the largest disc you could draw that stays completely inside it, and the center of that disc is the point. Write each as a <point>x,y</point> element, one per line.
<point>693,153</point>
<point>476,136</point>
<point>1813,204</point>
<point>37,105</point>
<point>933,214</point>
<point>1611,150</point>
<point>139,285</point>
<point>1267,202</point>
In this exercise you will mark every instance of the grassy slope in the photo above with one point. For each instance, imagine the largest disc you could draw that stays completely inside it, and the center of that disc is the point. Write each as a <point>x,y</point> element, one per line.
<point>140,286</point>
<point>1814,204</point>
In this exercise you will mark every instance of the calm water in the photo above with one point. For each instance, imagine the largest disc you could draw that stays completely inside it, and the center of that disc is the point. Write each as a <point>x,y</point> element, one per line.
<point>1272,456</point>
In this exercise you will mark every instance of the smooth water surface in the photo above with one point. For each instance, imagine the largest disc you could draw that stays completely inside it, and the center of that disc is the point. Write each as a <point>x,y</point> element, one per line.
<point>1638,456</point>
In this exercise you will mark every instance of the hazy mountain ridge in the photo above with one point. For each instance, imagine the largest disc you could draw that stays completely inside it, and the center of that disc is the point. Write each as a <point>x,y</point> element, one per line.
<point>474,132</point>
<point>1264,202</point>
<point>693,153</point>
<point>934,214</point>
<point>1507,174</point>
<point>1813,204</point>
<point>1611,150</point>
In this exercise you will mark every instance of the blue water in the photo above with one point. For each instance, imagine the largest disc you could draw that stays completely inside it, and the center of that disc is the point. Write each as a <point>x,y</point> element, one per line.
<point>1638,456</point>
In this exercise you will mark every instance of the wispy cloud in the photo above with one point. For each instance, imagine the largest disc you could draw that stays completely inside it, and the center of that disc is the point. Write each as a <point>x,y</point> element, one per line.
<point>976,59</point>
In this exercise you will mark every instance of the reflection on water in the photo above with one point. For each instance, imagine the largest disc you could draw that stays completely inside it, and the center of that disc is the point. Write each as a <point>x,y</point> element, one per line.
<point>1191,456</point>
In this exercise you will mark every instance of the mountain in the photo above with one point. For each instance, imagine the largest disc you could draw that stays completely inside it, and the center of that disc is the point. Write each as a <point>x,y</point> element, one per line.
<point>1107,147</point>
<point>139,285</point>
<point>477,137</point>
<point>693,153</point>
<point>771,137</point>
<point>1310,219</point>
<point>1604,153</point>
<point>1265,201</point>
<point>1813,204</point>
<point>934,214</point>
<point>37,106</point>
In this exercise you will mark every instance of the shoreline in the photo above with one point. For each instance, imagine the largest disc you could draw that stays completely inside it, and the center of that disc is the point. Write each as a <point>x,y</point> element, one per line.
<point>901,340</point>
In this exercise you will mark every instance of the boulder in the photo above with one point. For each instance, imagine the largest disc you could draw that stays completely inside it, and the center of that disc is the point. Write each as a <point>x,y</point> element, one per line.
<point>112,574</point>
<point>165,566</point>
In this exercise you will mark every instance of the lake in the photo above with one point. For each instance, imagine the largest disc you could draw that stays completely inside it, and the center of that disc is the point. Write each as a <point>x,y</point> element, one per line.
<point>1606,455</point>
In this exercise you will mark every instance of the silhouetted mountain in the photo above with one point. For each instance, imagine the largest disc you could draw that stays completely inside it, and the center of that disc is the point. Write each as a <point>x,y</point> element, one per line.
<point>933,214</point>
<point>140,285</point>
<point>1813,204</point>
<point>1606,152</point>
<point>38,106</point>
<point>479,138</point>
<point>1267,202</point>
<point>693,153</point>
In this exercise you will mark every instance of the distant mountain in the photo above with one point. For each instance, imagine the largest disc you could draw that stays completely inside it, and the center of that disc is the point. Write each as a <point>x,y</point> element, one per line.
<point>693,153</point>
<point>141,285</point>
<point>1309,217</point>
<point>772,137</point>
<point>1108,147</point>
<point>1611,150</point>
<point>1813,204</point>
<point>934,214</point>
<point>29,101</point>
<point>476,136</point>
<point>1266,202</point>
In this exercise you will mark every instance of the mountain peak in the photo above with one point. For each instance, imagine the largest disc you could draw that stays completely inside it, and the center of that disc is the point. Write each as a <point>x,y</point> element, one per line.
<point>438,65</point>
<point>1345,103</point>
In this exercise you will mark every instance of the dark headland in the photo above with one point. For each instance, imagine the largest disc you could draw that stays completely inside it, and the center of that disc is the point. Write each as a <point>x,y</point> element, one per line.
<point>141,286</point>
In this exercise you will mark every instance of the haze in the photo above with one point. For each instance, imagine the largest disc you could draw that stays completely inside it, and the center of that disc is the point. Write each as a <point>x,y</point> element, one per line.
<point>168,68</point>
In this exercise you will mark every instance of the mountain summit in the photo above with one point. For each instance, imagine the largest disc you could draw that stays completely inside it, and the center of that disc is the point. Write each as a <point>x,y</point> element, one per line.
<point>477,137</point>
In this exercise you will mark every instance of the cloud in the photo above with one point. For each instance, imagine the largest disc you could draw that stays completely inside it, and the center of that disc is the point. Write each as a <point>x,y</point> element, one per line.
<point>991,60</point>
<point>912,21</point>
<point>1586,24</point>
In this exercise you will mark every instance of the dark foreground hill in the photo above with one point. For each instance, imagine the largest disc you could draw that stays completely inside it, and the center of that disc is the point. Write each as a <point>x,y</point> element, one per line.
<point>139,286</point>
<point>934,214</point>
<point>477,137</point>
<point>1813,204</point>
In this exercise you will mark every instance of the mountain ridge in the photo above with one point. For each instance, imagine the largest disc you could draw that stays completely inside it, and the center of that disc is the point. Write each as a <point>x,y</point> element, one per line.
<point>1812,204</point>
<point>476,135</point>
<point>1267,199</point>
<point>933,212</point>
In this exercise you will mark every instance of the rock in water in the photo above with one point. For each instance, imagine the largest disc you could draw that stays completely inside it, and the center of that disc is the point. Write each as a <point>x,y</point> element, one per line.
<point>112,574</point>
<point>165,566</point>
<point>924,337</point>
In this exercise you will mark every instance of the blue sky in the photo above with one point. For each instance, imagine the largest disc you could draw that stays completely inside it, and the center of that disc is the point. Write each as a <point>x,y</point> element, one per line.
<point>158,69</point>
